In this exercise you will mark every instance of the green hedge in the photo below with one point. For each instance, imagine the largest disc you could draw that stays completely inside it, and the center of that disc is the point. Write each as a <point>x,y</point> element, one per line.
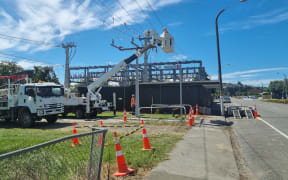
<point>283,101</point>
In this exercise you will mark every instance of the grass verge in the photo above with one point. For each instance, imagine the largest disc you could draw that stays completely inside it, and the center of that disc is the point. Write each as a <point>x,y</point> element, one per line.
<point>16,138</point>
<point>282,101</point>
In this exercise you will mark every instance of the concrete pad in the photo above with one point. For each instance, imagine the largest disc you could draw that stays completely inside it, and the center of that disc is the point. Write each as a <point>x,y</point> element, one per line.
<point>204,153</point>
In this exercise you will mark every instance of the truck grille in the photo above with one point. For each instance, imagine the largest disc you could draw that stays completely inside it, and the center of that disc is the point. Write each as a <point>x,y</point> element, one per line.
<point>54,108</point>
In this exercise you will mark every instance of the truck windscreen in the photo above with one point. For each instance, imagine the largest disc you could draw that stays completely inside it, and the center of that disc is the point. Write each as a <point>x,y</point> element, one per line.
<point>50,91</point>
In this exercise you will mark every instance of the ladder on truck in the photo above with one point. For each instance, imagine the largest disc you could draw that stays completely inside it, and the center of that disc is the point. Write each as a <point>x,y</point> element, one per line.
<point>236,114</point>
<point>249,114</point>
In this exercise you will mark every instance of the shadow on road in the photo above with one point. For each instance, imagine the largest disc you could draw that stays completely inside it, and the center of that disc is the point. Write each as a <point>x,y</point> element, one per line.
<point>220,123</point>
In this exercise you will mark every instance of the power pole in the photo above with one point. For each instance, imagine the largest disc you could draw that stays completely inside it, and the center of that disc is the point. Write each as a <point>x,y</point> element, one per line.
<point>67,47</point>
<point>145,70</point>
<point>137,72</point>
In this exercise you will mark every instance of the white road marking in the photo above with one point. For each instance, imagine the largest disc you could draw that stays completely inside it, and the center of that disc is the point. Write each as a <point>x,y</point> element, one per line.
<point>277,130</point>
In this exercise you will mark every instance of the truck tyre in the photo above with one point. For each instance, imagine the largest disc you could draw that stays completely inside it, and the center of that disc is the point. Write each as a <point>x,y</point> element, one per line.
<point>79,113</point>
<point>7,119</point>
<point>52,119</point>
<point>25,119</point>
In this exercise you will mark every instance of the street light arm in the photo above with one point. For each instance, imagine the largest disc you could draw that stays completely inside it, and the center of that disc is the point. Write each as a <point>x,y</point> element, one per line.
<point>220,12</point>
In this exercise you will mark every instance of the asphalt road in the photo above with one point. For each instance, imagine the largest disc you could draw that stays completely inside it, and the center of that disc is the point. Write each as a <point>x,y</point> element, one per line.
<point>264,144</point>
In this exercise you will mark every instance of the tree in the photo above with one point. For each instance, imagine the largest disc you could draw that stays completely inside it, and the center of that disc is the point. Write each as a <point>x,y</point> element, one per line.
<point>46,74</point>
<point>9,68</point>
<point>277,88</point>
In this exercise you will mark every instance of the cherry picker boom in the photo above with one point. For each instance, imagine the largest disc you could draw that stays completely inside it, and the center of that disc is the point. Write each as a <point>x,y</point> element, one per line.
<point>165,41</point>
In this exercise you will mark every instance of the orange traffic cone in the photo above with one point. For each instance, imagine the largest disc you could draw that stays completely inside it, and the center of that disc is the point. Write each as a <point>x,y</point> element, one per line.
<point>101,136</point>
<point>75,140</point>
<point>255,112</point>
<point>197,111</point>
<point>190,111</point>
<point>100,140</point>
<point>125,116</point>
<point>191,118</point>
<point>121,163</point>
<point>146,144</point>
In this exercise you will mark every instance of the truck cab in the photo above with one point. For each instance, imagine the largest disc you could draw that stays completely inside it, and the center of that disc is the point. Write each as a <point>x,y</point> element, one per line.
<point>30,102</point>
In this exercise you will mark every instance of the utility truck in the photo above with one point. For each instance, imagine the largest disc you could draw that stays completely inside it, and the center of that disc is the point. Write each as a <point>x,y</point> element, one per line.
<point>76,103</point>
<point>92,103</point>
<point>30,102</point>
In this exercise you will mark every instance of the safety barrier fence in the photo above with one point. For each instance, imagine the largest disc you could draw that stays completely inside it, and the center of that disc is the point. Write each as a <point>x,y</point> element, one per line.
<point>57,159</point>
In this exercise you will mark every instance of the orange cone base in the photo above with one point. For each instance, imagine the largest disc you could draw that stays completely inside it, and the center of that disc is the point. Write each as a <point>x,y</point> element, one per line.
<point>75,144</point>
<point>129,171</point>
<point>149,149</point>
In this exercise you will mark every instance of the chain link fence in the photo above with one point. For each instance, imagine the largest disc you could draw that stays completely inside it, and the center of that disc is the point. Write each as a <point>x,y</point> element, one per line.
<point>57,159</point>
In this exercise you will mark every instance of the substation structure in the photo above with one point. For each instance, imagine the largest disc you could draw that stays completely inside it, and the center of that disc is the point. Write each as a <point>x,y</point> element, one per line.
<point>159,83</point>
<point>150,72</point>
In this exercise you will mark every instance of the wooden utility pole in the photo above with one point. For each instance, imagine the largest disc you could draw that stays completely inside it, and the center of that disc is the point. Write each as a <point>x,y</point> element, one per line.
<point>67,47</point>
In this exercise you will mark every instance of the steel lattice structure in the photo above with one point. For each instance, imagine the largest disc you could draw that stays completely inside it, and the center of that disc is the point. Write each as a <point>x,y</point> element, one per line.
<point>157,72</point>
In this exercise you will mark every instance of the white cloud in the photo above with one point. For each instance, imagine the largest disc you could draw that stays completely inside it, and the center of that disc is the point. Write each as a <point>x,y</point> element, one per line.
<point>264,82</point>
<point>173,24</point>
<point>249,75</point>
<point>271,17</point>
<point>179,57</point>
<point>26,64</point>
<point>249,72</point>
<point>53,20</point>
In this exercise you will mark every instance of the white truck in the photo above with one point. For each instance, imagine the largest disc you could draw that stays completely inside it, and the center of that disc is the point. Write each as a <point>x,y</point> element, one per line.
<point>27,103</point>
<point>93,103</point>
<point>76,103</point>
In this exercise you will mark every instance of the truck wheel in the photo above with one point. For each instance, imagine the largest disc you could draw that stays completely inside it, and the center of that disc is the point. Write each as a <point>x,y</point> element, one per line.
<point>7,119</point>
<point>52,119</point>
<point>25,118</point>
<point>79,113</point>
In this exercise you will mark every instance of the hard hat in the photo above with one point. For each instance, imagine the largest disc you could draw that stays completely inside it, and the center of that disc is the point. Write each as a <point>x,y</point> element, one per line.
<point>132,94</point>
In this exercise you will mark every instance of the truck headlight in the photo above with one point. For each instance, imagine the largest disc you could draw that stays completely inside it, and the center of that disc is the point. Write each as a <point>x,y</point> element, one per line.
<point>40,111</point>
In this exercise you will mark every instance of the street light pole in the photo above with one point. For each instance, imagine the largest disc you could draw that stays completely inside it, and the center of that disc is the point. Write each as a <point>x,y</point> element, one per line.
<point>218,55</point>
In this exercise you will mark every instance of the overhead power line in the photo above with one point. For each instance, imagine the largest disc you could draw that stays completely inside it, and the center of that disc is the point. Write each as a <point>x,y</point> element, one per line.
<point>111,14</point>
<point>142,10</point>
<point>121,6</point>
<point>21,57</point>
<point>155,14</point>
<point>8,37</point>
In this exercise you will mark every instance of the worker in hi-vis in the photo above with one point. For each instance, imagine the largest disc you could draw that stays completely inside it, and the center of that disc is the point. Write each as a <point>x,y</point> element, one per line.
<point>133,103</point>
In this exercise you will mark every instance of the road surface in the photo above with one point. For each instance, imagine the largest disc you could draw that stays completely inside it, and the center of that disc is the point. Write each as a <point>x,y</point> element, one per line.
<point>264,143</point>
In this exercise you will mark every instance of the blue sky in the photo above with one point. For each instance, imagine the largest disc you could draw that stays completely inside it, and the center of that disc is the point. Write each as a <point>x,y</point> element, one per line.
<point>253,35</point>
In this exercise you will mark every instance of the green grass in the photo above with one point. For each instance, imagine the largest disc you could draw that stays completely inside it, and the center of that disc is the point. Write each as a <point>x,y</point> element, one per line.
<point>135,157</point>
<point>16,138</point>
<point>282,101</point>
<point>108,114</point>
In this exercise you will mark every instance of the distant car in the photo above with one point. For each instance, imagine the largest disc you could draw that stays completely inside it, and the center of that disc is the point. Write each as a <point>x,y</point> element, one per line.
<point>226,99</point>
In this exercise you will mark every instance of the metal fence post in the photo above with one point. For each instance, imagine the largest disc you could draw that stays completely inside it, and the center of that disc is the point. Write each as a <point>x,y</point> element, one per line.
<point>91,154</point>
<point>101,154</point>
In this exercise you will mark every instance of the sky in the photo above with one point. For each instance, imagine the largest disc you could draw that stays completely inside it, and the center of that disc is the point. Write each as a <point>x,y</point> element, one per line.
<point>253,34</point>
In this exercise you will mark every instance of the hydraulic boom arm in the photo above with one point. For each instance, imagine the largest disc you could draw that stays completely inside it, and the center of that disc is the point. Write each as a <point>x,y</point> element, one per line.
<point>165,40</point>
<point>118,67</point>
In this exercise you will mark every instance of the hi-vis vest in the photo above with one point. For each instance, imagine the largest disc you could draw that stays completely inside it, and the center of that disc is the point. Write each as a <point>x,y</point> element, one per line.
<point>133,102</point>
